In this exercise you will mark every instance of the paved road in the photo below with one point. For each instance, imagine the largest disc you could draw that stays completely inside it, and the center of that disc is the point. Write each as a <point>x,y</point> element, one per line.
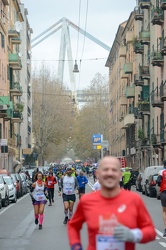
<point>18,231</point>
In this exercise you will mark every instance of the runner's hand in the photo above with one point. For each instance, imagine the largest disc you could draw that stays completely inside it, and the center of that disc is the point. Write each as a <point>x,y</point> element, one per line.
<point>123,233</point>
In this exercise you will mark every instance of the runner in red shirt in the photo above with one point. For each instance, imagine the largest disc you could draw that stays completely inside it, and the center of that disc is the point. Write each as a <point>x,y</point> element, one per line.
<point>50,182</point>
<point>116,218</point>
<point>161,180</point>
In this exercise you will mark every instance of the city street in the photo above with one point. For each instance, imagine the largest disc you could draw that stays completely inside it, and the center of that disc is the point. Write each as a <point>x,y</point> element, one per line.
<point>18,231</point>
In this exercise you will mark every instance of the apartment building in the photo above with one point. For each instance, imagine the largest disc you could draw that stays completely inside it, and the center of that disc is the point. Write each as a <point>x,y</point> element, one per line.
<point>137,86</point>
<point>25,49</point>
<point>15,96</point>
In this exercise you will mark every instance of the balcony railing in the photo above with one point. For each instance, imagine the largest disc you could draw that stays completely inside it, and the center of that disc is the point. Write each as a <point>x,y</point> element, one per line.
<point>138,47</point>
<point>138,81</point>
<point>15,89</point>
<point>17,117</point>
<point>128,68</point>
<point>157,59</point>
<point>29,129</point>
<point>163,136</point>
<point>155,140</point>
<point>15,62</point>
<point>139,15</point>
<point>157,16</point>
<point>13,34</point>
<point>144,72</point>
<point>130,91</point>
<point>144,107</point>
<point>16,40</point>
<point>163,4</point>
<point>137,113</point>
<point>156,100</point>
<point>163,91</point>
<point>144,37</point>
<point>144,4</point>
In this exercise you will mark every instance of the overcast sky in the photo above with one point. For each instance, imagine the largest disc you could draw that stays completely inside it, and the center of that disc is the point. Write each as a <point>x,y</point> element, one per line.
<point>104,17</point>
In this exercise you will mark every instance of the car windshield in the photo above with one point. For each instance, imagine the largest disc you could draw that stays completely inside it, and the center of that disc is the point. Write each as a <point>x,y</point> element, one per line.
<point>1,180</point>
<point>8,180</point>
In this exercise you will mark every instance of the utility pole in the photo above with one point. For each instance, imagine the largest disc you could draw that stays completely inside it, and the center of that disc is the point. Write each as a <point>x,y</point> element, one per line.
<point>41,118</point>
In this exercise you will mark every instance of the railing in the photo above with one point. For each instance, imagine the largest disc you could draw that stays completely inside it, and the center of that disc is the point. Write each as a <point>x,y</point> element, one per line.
<point>138,47</point>
<point>29,111</point>
<point>17,114</point>
<point>29,129</point>
<point>144,107</point>
<point>163,89</point>
<point>157,16</point>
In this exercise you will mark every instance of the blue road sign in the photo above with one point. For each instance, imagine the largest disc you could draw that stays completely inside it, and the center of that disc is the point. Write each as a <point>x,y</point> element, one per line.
<point>97,139</point>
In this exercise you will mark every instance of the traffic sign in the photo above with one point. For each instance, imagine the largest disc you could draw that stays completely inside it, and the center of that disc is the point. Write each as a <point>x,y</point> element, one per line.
<point>97,139</point>
<point>105,144</point>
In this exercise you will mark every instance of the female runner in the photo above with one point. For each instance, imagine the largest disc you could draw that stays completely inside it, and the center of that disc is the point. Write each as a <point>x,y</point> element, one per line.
<point>38,191</point>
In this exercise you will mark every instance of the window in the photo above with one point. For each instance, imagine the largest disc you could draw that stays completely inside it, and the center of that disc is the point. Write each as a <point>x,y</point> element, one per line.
<point>0,130</point>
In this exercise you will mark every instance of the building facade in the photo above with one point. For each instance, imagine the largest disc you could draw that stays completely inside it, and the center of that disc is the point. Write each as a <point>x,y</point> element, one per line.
<point>137,86</point>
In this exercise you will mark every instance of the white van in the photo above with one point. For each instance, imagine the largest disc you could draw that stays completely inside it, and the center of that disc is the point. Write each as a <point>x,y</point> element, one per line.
<point>147,172</point>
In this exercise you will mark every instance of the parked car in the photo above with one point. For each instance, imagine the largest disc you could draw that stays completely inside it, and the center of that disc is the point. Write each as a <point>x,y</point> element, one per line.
<point>16,184</point>
<point>24,183</point>
<point>12,189</point>
<point>20,183</point>
<point>0,201</point>
<point>138,182</point>
<point>150,184</point>
<point>147,172</point>
<point>157,187</point>
<point>134,174</point>
<point>4,191</point>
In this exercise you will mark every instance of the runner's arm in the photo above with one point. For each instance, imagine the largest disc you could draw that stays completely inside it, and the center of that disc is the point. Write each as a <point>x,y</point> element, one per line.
<point>75,226</point>
<point>76,183</point>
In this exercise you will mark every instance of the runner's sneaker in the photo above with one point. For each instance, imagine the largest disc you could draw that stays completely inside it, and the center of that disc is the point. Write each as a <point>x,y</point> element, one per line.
<point>65,220</point>
<point>52,200</point>
<point>164,234</point>
<point>40,226</point>
<point>36,221</point>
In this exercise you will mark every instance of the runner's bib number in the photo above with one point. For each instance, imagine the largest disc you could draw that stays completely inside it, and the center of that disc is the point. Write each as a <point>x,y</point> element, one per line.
<point>49,183</point>
<point>39,197</point>
<point>68,190</point>
<point>104,242</point>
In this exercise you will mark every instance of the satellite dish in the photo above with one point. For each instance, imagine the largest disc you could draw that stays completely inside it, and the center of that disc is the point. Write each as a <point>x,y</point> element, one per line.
<point>20,54</point>
<point>18,26</point>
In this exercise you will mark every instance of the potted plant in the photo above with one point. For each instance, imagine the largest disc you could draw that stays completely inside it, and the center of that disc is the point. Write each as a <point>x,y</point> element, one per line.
<point>141,135</point>
<point>19,107</point>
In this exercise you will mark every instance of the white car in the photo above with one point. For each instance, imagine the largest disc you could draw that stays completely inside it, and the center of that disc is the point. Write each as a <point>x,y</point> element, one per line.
<point>4,191</point>
<point>12,189</point>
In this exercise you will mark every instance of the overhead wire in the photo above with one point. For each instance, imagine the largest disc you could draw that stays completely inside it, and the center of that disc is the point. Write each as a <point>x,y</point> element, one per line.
<point>78,34</point>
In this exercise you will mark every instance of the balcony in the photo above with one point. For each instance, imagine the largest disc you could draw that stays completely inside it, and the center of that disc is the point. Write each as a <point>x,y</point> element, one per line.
<point>13,34</point>
<point>16,40</point>
<point>157,16</point>
<point>129,120</point>
<point>157,59</point>
<point>138,47</point>
<point>128,68</point>
<point>155,140</point>
<point>163,4</point>
<point>29,92</point>
<point>137,114</point>
<point>16,89</point>
<point>139,15</point>
<point>122,126</point>
<point>144,37</point>
<point>163,91</point>
<point>29,111</point>
<point>144,4</point>
<point>138,81</point>
<point>15,62</point>
<point>122,51</point>
<point>156,100</point>
<point>144,72</point>
<point>163,46</point>
<point>163,136</point>
<point>5,2</point>
<point>123,75</point>
<point>130,91</point>
<point>144,108</point>
<point>122,100</point>
<point>144,142</point>
<point>6,107</point>
<point>129,36</point>
<point>16,117</point>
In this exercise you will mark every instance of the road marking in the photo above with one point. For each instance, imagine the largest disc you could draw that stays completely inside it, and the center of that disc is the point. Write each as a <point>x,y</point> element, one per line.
<point>4,210</point>
<point>163,244</point>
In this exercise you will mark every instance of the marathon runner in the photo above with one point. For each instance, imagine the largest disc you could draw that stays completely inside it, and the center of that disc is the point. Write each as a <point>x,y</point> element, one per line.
<point>68,187</point>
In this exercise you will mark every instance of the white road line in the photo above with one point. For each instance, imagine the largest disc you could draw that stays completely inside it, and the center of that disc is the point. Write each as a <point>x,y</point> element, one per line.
<point>163,244</point>
<point>4,210</point>
<point>157,238</point>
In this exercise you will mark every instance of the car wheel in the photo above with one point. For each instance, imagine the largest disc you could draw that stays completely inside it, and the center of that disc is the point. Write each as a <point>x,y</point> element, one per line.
<point>5,201</point>
<point>0,202</point>
<point>146,193</point>
<point>15,199</point>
